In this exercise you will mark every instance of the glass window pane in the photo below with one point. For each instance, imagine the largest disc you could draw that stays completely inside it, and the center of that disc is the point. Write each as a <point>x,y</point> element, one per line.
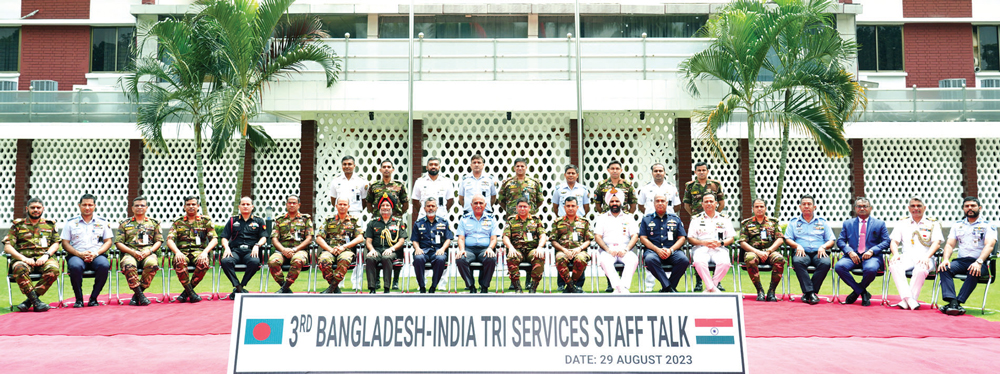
<point>601,26</point>
<point>126,39</point>
<point>395,27</point>
<point>337,25</point>
<point>102,55</point>
<point>555,26</point>
<point>989,50</point>
<point>890,48</point>
<point>9,48</point>
<point>457,27</point>
<point>867,58</point>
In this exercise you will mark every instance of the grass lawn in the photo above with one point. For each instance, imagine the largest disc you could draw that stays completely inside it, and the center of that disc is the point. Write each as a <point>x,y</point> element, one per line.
<point>300,285</point>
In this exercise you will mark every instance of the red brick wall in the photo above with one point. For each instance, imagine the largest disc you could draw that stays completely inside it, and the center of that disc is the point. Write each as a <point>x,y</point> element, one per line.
<point>135,154</point>
<point>938,51</point>
<point>970,169</point>
<point>857,166</point>
<point>937,8</point>
<point>746,204</point>
<point>307,167</point>
<point>56,9</point>
<point>684,162</point>
<point>22,176</point>
<point>574,144</point>
<point>59,53</point>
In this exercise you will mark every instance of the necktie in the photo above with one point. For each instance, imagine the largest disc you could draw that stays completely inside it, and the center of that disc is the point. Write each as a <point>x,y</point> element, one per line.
<point>862,237</point>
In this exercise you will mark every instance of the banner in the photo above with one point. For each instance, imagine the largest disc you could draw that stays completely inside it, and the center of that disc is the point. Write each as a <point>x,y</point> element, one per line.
<point>640,333</point>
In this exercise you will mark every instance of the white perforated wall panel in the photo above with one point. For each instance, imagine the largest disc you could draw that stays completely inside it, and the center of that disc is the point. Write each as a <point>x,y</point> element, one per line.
<point>726,173</point>
<point>342,134</point>
<point>896,169</point>
<point>808,171</point>
<point>168,178</point>
<point>637,144</point>
<point>8,167</point>
<point>64,170</point>
<point>542,138</point>
<point>276,174</point>
<point>988,167</point>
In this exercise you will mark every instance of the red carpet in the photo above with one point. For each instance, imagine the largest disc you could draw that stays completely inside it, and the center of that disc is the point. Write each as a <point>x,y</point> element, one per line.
<point>783,337</point>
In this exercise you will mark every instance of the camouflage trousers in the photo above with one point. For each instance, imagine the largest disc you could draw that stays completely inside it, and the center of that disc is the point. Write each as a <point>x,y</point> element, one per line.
<point>298,261</point>
<point>776,260</point>
<point>130,269</point>
<point>22,274</point>
<point>571,269</point>
<point>514,259</point>
<point>182,268</point>
<point>343,261</point>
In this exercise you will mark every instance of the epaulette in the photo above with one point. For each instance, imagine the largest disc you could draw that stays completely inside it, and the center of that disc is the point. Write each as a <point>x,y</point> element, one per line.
<point>306,216</point>
<point>17,221</point>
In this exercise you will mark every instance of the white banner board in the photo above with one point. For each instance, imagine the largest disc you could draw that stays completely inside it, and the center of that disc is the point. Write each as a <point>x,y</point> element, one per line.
<point>513,333</point>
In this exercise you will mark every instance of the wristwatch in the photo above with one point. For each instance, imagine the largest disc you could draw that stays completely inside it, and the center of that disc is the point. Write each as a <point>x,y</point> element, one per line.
<point>979,261</point>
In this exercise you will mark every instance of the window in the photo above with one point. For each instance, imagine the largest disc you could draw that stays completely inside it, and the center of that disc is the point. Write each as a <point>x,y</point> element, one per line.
<point>455,27</point>
<point>622,26</point>
<point>880,48</point>
<point>989,50</point>
<point>111,48</point>
<point>10,42</point>
<point>336,25</point>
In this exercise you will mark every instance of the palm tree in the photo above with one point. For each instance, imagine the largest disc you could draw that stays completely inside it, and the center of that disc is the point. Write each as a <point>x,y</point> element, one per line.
<point>811,90</point>
<point>175,86</point>
<point>254,46</point>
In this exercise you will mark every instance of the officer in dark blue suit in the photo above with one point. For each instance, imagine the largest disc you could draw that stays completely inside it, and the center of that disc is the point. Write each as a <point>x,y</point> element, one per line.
<point>431,238</point>
<point>663,235</point>
<point>862,239</point>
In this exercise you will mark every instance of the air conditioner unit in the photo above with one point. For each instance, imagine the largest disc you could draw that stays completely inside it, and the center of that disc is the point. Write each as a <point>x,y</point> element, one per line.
<point>952,83</point>
<point>44,85</point>
<point>990,83</point>
<point>8,86</point>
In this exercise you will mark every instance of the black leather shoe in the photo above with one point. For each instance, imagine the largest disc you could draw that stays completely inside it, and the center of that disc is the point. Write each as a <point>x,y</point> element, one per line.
<point>93,302</point>
<point>771,297</point>
<point>386,290</point>
<point>577,290</point>
<point>511,288</point>
<point>471,289</point>
<point>395,285</point>
<point>371,291</point>
<point>719,286</point>
<point>562,288</point>
<point>813,299</point>
<point>866,299</point>
<point>232,295</point>
<point>698,287</point>
<point>666,290</point>
<point>23,307</point>
<point>423,290</point>
<point>850,299</point>
<point>806,297</point>
<point>328,289</point>
<point>609,289</point>
<point>183,297</point>
<point>760,295</point>
<point>78,304</point>
<point>947,307</point>
<point>194,297</point>
<point>532,290</point>
<point>516,287</point>
<point>957,310</point>
<point>569,289</point>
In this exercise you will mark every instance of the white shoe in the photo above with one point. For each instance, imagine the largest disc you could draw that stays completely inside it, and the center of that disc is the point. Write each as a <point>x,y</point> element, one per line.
<point>902,305</point>
<point>913,303</point>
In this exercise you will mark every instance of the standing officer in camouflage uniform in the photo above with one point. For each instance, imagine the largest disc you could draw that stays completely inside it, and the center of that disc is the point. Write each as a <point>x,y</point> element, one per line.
<point>760,237</point>
<point>337,238</point>
<point>291,237</point>
<point>31,243</point>
<point>397,193</point>
<point>693,191</point>
<point>571,237</point>
<point>517,187</point>
<point>384,238</point>
<point>615,181</point>
<point>524,236</point>
<point>140,237</point>
<point>192,237</point>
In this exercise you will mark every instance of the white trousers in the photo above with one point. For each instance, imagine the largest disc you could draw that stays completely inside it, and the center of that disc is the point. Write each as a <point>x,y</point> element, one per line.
<point>608,261</point>
<point>898,270</point>
<point>720,256</point>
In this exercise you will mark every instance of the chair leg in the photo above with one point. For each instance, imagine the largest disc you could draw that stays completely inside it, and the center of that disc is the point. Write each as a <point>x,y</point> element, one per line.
<point>986,294</point>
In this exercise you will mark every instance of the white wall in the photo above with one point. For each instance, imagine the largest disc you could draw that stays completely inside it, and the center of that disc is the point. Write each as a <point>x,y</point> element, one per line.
<point>880,11</point>
<point>10,9</point>
<point>112,11</point>
<point>986,11</point>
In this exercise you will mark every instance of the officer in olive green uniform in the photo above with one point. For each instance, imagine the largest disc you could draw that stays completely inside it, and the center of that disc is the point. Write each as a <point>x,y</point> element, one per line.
<point>192,238</point>
<point>139,238</point>
<point>31,243</point>
<point>524,237</point>
<point>384,238</point>
<point>291,237</point>
<point>693,190</point>
<point>517,187</point>
<point>571,237</point>
<point>337,237</point>
<point>615,181</point>
<point>389,187</point>
<point>760,237</point>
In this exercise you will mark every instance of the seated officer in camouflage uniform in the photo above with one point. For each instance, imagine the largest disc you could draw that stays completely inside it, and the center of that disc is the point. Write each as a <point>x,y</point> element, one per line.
<point>524,236</point>
<point>291,237</point>
<point>760,237</point>
<point>31,243</point>
<point>517,187</point>
<point>139,238</point>
<point>192,237</point>
<point>571,236</point>
<point>384,238</point>
<point>337,237</point>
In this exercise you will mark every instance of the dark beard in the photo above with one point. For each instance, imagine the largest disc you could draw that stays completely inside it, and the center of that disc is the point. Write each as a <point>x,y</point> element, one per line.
<point>34,217</point>
<point>972,214</point>
<point>616,209</point>
<point>432,172</point>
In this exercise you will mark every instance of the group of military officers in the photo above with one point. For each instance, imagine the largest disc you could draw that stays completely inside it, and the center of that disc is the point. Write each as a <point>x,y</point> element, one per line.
<point>32,241</point>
